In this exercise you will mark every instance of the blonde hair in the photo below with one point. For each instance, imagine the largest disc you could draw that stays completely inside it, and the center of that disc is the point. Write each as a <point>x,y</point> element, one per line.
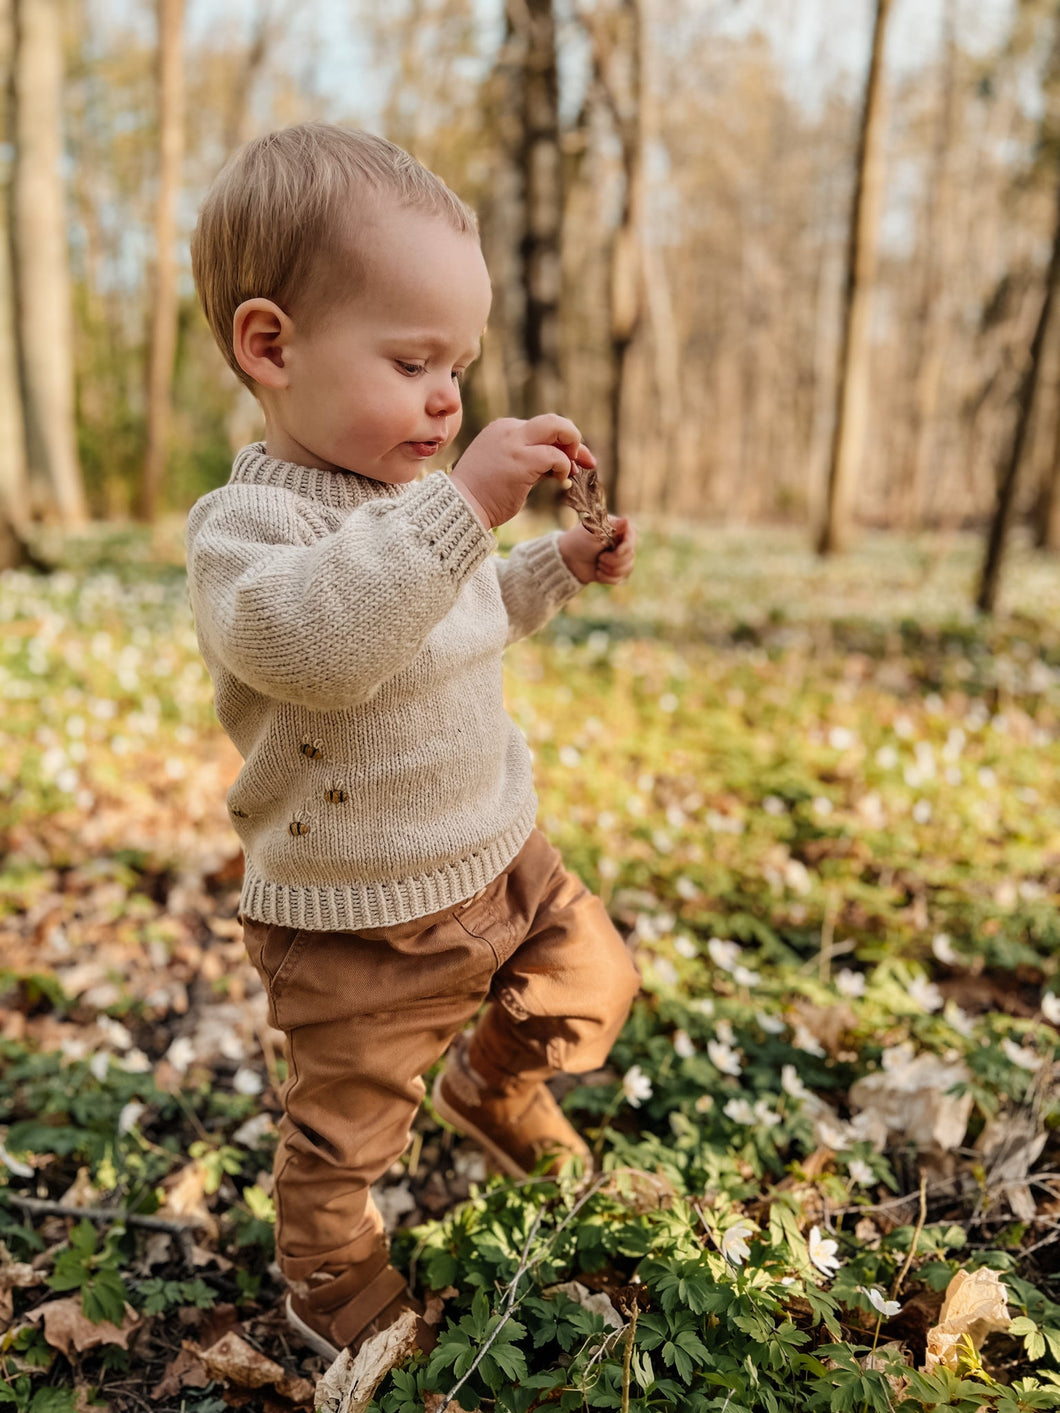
<point>286,204</point>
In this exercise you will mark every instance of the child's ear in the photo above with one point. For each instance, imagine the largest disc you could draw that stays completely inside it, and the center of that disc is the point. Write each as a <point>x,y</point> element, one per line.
<point>260,331</point>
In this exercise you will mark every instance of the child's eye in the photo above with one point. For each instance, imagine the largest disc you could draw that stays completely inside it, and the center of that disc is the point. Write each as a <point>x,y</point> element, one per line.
<point>411,368</point>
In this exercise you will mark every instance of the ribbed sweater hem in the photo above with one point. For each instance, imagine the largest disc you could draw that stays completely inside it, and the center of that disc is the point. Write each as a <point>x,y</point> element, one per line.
<point>384,903</point>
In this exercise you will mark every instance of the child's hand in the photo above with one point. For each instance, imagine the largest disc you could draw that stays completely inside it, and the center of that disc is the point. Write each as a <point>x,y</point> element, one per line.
<point>507,458</point>
<point>590,562</point>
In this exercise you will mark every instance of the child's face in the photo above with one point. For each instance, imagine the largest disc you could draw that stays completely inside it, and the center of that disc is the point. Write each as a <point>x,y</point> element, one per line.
<point>374,387</point>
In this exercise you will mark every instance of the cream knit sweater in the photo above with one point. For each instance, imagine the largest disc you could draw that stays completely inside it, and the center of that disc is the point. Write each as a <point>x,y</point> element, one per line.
<point>354,631</point>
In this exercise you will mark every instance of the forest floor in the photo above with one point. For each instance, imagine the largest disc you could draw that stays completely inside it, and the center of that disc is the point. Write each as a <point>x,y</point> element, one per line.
<point>822,802</point>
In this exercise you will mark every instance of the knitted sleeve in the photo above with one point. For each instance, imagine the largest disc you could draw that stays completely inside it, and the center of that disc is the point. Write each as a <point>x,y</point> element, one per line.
<point>535,584</point>
<point>324,622</point>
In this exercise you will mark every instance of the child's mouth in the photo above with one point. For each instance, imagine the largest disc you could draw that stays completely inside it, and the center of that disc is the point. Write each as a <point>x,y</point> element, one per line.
<point>424,448</point>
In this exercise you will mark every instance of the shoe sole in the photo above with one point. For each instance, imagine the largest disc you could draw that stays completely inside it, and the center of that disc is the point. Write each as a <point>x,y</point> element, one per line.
<point>457,1121</point>
<point>309,1336</point>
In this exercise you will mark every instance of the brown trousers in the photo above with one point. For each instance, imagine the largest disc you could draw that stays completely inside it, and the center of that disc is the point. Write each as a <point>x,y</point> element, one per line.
<point>366,1013</point>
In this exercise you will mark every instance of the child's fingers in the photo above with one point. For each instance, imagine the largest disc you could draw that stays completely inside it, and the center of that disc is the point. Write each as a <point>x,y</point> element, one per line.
<point>553,430</point>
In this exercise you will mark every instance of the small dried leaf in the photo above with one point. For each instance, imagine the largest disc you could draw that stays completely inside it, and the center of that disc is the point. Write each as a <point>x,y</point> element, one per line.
<point>975,1305</point>
<point>67,1327</point>
<point>185,1371</point>
<point>586,496</point>
<point>598,1302</point>
<point>348,1385</point>
<point>232,1358</point>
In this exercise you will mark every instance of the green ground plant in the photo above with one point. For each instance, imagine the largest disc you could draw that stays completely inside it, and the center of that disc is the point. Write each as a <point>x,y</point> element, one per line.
<point>822,802</point>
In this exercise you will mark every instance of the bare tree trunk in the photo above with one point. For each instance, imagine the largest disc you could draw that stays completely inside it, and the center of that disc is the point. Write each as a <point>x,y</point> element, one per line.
<point>1047,512</point>
<point>849,432</point>
<point>164,309</point>
<point>627,256</point>
<point>14,488</point>
<point>540,163</point>
<point>939,231</point>
<point>42,262</point>
<point>990,581</point>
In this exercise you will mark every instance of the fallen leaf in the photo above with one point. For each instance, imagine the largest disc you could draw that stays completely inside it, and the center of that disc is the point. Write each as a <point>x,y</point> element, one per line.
<point>14,1275</point>
<point>911,1099</point>
<point>348,1385</point>
<point>598,1302</point>
<point>975,1305</point>
<point>185,1371</point>
<point>67,1327</point>
<point>233,1360</point>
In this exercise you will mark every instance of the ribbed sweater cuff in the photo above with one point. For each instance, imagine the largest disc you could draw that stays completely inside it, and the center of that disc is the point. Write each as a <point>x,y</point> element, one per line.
<point>554,580</point>
<point>449,525</point>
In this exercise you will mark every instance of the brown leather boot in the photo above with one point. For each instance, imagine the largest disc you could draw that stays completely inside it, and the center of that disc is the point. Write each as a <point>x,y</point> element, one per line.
<point>520,1125</point>
<point>333,1310</point>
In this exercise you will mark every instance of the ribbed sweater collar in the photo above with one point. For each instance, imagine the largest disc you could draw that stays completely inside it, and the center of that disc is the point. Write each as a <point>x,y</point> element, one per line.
<point>342,490</point>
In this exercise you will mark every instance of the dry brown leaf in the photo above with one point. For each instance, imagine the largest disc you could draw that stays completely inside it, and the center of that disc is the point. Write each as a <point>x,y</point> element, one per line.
<point>434,1402</point>
<point>596,1302</point>
<point>186,1198</point>
<point>348,1385</point>
<point>68,1329</point>
<point>14,1275</point>
<point>911,1099</point>
<point>238,1362</point>
<point>185,1371</point>
<point>875,1361</point>
<point>827,1024</point>
<point>585,495</point>
<point>975,1305</point>
<point>641,1191</point>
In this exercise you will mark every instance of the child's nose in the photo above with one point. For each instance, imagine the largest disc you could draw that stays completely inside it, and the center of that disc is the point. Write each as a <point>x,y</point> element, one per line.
<point>444,399</point>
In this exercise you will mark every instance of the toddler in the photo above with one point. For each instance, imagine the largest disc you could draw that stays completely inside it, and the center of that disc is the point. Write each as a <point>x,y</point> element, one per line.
<point>352,614</point>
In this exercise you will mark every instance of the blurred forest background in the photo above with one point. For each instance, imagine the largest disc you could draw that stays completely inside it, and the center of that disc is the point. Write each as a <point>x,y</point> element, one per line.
<point>781,260</point>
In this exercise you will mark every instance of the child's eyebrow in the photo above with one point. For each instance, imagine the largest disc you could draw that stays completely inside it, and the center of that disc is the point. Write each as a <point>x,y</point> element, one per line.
<point>432,343</point>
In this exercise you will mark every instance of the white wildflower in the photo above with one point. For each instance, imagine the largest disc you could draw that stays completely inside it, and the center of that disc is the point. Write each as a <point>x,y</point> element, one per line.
<point>130,1115</point>
<point>665,971</point>
<point>841,738</point>
<point>636,1086</point>
<point>724,954</point>
<point>740,1111</point>
<point>823,1252</point>
<point>924,994</point>
<point>683,1046</point>
<point>960,1020</point>
<point>247,1081</point>
<point>724,1058</point>
<point>877,1301</point>
<point>744,976</point>
<point>850,983</point>
<point>14,1165</point>
<point>1051,1007</point>
<point>772,1025</point>
<point>922,811</point>
<point>180,1054</point>
<point>887,757</point>
<point>1021,1056</point>
<point>702,1005</point>
<point>792,1084</point>
<point>804,1039</point>
<point>704,1104</point>
<point>831,1132</point>
<point>822,805</point>
<point>99,1064</point>
<point>734,1243</point>
<point>765,1115</point>
<point>773,804</point>
<point>943,950</point>
<point>860,1172</point>
<point>685,947</point>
